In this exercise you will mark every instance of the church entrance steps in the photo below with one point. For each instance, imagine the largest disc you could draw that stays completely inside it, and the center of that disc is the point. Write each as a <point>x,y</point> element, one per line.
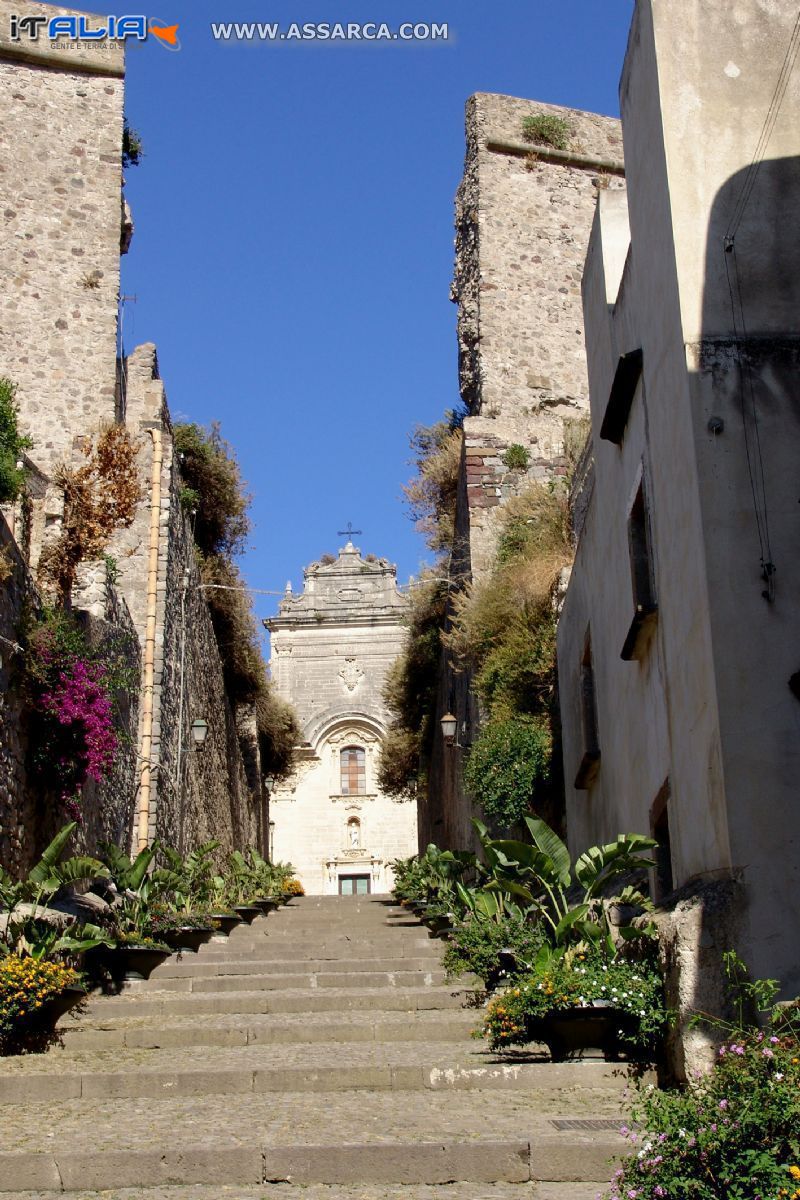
<point>233,1069</point>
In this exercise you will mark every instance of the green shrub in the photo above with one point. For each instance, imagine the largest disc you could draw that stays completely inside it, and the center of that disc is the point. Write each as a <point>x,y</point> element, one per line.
<point>210,470</point>
<point>12,444</point>
<point>474,947</point>
<point>508,766</point>
<point>547,130</point>
<point>131,146</point>
<point>410,693</point>
<point>516,457</point>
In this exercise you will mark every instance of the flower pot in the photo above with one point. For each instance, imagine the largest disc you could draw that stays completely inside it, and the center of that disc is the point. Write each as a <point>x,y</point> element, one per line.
<point>267,904</point>
<point>440,923</point>
<point>226,922</point>
<point>247,912</point>
<point>47,1015</point>
<point>135,962</point>
<point>588,1032</point>
<point>188,937</point>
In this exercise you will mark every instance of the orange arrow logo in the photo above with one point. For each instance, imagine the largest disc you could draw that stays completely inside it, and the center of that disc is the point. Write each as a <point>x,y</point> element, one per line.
<point>167,33</point>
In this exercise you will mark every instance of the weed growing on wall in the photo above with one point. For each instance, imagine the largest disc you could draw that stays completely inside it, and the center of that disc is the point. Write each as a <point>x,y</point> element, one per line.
<point>516,457</point>
<point>12,444</point>
<point>410,693</point>
<point>214,492</point>
<point>504,629</point>
<point>547,130</point>
<point>100,497</point>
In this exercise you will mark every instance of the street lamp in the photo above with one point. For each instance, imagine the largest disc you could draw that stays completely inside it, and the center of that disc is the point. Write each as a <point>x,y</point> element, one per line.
<point>271,840</point>
<point>449,723</point>
<point>199,732</point>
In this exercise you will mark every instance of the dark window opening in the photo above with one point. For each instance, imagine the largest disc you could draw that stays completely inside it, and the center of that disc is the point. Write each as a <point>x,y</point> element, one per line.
<point>590,762</point>
<point>659,824</point>
<point>642,579</point>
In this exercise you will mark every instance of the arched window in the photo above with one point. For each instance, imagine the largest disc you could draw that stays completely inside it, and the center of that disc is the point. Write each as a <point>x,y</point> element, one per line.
<point>353,771</point>
<point>354,833</point>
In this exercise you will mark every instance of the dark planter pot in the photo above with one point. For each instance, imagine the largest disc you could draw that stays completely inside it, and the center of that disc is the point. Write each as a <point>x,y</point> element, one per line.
<point>580,1033</point>
<point>54,1008</point>
<point>247,912</point>
<point>267,904</point>
<point>135,962</point>
<point>187,938</point>
<point>440,923</point>
<point>226,922</point>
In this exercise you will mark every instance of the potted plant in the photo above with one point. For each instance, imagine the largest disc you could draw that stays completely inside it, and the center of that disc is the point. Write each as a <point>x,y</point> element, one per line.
<point>179,930</point>
<point>34,993</point>
<point>134,956</point>
<point>581,1004</point>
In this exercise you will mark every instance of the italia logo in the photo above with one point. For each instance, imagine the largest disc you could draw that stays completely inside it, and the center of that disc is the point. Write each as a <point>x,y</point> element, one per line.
<point>79,28</point>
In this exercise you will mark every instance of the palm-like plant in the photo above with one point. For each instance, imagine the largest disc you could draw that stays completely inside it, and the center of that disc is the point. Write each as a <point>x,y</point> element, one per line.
<point>570,898</point>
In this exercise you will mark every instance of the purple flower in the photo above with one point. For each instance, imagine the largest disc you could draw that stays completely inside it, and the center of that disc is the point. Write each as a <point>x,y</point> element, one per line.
<point>723,1104</point>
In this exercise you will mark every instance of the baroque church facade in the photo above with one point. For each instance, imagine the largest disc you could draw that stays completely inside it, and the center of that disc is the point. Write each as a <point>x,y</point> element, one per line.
<point>332,646</point>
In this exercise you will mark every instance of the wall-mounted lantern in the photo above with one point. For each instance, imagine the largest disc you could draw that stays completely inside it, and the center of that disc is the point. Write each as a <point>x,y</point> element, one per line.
<point>199,732</point>
<point>449,724</point>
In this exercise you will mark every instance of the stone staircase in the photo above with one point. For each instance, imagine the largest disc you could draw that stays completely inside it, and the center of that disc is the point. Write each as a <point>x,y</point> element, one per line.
<point>318,1053</point>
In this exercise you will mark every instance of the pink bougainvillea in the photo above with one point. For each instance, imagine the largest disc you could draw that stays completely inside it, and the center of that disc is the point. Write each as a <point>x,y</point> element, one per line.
<point>74,734</point>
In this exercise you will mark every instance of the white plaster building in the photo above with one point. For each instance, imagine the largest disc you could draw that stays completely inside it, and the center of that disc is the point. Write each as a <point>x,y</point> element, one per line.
<point>331,648</point>
<point>679,641</point>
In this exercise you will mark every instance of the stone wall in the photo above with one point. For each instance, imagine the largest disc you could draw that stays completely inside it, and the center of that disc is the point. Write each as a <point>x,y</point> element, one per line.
<point>195,794</point>
<point>523,218</point>
<point>60,185</point>
<point>64,226</point>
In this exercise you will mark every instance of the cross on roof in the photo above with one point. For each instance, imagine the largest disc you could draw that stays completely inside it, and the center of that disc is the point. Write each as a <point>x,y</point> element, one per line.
<point>348,533</point>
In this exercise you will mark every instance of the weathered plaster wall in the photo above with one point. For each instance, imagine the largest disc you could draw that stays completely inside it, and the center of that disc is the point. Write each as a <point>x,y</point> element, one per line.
<point>332,646</point>
<point>707,704</point>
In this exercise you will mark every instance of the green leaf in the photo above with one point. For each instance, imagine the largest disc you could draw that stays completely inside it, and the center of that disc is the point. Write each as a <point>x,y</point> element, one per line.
<point>44,868</point>
<point>568,922</point>
<point>551,845</point>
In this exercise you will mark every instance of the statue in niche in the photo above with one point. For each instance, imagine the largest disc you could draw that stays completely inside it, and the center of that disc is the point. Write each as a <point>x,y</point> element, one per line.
<point>354,830</point>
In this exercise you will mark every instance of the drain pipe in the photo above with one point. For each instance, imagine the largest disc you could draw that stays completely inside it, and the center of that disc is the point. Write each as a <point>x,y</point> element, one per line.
<point>148,677</point>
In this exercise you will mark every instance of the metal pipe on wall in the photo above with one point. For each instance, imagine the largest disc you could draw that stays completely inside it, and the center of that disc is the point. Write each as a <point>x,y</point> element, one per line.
<point>148,677</point>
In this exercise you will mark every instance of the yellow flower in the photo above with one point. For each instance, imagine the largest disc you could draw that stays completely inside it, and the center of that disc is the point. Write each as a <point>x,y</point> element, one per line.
<point>794,1171</point>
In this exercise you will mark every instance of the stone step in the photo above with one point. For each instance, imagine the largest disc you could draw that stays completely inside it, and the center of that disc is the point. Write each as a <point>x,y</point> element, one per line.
<point>451,1026</point>
<point>401,1066</point>
<point>333,1138</point>
<point>287,1191</point>
<point>190,965</point>
<point>161,1004</point>
<point>340,947</point>
<point>277,981</point>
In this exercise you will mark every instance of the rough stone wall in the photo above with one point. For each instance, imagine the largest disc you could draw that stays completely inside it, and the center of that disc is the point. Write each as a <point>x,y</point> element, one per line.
<point>60,180</point>
<point>523,219</point>
<point>196,794</point>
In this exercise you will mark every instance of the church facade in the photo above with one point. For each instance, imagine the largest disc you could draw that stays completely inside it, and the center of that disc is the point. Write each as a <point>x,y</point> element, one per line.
<point>332,645</point>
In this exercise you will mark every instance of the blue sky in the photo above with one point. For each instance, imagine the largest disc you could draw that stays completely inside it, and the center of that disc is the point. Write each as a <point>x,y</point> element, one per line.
<point>294,239</point>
